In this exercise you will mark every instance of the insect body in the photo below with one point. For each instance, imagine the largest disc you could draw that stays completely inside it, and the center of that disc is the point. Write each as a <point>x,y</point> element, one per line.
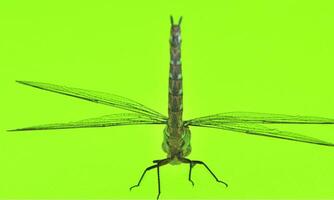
<point>176,140</point>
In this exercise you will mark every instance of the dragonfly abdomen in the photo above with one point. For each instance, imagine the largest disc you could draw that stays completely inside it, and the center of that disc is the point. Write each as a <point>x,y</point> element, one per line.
<point>175,90</point>
<point>175,130</point>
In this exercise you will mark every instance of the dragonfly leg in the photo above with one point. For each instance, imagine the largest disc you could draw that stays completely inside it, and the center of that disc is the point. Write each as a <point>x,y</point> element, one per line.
<point>158,165</point>
<point>158,173</point>
<point>192,164</point>
<point>190,169</point>
<point>202,163</point>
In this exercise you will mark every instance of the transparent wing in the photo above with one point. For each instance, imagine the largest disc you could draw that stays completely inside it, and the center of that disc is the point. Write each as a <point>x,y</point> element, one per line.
<point>261,118</point>
<point>103,121</point>
<point>256,129</point>
<point>98,97</point>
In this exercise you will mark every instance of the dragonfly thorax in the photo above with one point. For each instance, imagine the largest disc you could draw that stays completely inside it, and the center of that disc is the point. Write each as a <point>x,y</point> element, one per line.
<point>176,145</point>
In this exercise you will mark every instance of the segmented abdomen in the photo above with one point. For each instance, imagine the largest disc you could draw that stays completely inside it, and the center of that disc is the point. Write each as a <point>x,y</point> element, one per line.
<point>175,107</point>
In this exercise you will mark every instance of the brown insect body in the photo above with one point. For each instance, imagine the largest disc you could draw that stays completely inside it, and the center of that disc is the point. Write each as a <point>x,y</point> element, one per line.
<point>176,136</point>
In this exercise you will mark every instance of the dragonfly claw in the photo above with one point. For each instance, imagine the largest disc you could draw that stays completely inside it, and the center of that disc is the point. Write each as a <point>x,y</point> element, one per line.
<point>133,187</point>
<point>226,185</point>
<point>192,182</point>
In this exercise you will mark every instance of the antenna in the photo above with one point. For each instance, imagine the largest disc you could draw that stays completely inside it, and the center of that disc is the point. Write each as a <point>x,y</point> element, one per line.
<point>180,20</point>
<point>171,20</point>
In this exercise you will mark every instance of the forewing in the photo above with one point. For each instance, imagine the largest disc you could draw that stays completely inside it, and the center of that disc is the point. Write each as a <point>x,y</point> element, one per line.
<point>261,118</point>
<point>98,97</point>
<point>256,129</point>
<point>103,121</point>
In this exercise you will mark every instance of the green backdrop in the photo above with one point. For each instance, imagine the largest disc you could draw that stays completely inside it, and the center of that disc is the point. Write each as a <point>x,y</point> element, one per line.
<point>265,56</point>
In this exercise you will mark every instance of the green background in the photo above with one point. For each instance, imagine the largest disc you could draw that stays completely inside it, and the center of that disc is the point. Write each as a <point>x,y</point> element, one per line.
<point>265,56</point>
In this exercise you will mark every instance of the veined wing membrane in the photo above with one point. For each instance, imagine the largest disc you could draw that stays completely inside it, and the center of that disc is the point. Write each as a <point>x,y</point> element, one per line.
<point>260,118</point>
<point>103,121</point>
<point>256,129</point>
<point>98,97</point>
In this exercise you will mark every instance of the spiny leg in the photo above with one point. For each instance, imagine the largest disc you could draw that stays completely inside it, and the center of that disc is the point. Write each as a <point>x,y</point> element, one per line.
<point>158,165</point>
<point>192,164</point>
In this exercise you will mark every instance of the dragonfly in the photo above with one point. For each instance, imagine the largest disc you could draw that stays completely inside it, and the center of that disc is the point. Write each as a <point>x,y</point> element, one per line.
<point>176,138</point>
